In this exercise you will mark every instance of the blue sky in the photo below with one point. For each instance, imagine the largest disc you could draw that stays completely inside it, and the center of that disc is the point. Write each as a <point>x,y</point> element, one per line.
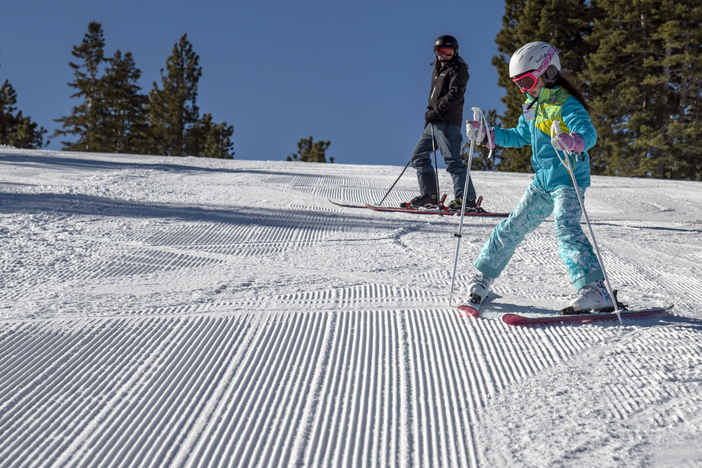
<point>354,73</point>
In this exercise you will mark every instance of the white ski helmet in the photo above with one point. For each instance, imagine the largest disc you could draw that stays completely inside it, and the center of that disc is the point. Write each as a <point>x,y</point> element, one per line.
<point>540,58</point>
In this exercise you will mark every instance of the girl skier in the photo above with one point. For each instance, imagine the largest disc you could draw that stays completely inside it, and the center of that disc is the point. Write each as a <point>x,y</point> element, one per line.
<point>535,68</point>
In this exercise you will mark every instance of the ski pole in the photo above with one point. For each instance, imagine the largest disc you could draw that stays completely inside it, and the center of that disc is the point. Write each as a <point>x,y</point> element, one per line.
<point>567,155</point>
<point>396,180</point>
<point>436,166</point>
<point>473,138</point>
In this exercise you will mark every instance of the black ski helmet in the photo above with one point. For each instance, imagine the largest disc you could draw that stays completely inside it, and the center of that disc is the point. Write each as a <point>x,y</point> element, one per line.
<point>447,41</point>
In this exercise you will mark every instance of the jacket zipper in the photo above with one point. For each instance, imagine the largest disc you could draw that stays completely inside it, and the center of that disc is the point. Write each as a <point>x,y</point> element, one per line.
<point>436,80</point>
<point>536,115</point>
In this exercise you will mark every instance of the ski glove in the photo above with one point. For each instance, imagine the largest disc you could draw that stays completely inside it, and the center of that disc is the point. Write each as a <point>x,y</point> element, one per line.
<point>477,132</point>
<point>571,142</point>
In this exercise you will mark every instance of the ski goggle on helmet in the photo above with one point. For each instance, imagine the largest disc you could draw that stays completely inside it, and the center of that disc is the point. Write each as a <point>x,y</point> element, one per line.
<point>443,50</point>
<point>531,61</point>
<point>446,44</point>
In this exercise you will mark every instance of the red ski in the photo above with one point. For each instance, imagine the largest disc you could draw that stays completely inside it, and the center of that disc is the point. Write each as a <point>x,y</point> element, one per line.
<point>348,205</point>
<point>428,211</point>
<point>514,319</point>
<point>435,211</point>
<point>466,311</point>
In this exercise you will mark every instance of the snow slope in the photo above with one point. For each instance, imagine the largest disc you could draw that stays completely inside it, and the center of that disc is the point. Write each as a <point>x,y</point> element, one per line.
<point>194,312</point>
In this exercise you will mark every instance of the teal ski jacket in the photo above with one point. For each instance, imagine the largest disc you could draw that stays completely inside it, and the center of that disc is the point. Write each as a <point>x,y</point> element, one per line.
<point>535,130</point>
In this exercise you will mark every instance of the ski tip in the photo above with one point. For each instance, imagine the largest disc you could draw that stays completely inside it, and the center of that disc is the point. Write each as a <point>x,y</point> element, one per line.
<point>465,311</point>
<point>345,205</point>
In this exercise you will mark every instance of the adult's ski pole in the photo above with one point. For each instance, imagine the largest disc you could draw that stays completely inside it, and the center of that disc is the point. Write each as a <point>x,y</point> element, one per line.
<point>436,166</point>
<point>396,180</point>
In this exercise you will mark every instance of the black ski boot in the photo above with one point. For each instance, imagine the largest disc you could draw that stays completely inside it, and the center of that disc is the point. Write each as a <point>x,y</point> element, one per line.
<point>456,205</point>
<point>428,197</point>
<point>472,205</point>
<point>423,201</point>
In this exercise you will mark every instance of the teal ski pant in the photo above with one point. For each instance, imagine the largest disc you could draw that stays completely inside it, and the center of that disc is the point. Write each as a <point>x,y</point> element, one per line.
<point>536,205</point>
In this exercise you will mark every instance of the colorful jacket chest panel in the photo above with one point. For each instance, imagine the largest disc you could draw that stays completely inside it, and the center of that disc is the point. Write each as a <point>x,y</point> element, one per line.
<point>549,108</point>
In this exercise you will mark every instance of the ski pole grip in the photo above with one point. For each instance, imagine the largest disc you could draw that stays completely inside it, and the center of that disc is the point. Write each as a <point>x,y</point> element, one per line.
<point>565,160</point>
<point>478,116</point>
<point>555,128</point>
<point>476,113</point>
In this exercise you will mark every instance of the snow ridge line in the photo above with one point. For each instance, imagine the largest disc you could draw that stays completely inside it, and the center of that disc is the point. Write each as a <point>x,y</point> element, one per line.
<point>208,390</point>
<point>265,229</point>
<point>453,438</point>
<point>355,196</point>
<point>381,182</point>
<point>144,262</point>
<point>263,236</point>
<point>684,286</point>
<point>71,348</point>
<point>122,439</point>
<point>648,363</point>
<point>356,296</point>
<point>149,416</point>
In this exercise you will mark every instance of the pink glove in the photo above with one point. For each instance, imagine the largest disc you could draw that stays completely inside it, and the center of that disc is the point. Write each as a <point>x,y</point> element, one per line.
<point>477,131</point>
<point>571,141</point>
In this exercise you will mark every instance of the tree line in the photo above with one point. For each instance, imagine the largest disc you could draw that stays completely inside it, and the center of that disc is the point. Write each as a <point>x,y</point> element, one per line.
<point>114,116</point>
<point>311,151</point>
<point>16,129</point>
<point>640,65</point>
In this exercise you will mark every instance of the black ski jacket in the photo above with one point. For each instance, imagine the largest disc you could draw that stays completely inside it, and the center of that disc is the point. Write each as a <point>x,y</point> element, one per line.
<point>448,86</point>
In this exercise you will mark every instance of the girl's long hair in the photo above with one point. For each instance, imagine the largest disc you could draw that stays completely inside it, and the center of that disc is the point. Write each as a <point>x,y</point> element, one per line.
<point>574,88</point>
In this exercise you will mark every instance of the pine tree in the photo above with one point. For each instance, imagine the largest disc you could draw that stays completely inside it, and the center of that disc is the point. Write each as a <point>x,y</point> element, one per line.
<point>309,151</point>
<point>646,81</point>
<point>176,128</point>
<point>562,23</point>
<point>84,121</point>
<point>210,140</point>
<point>15,129</point>
<point>173,110</point>
<point>124,126</point>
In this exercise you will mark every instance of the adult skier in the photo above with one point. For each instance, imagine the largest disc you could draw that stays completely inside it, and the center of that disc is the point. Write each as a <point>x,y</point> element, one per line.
<point>535,69</point>
<point>442,128</point>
